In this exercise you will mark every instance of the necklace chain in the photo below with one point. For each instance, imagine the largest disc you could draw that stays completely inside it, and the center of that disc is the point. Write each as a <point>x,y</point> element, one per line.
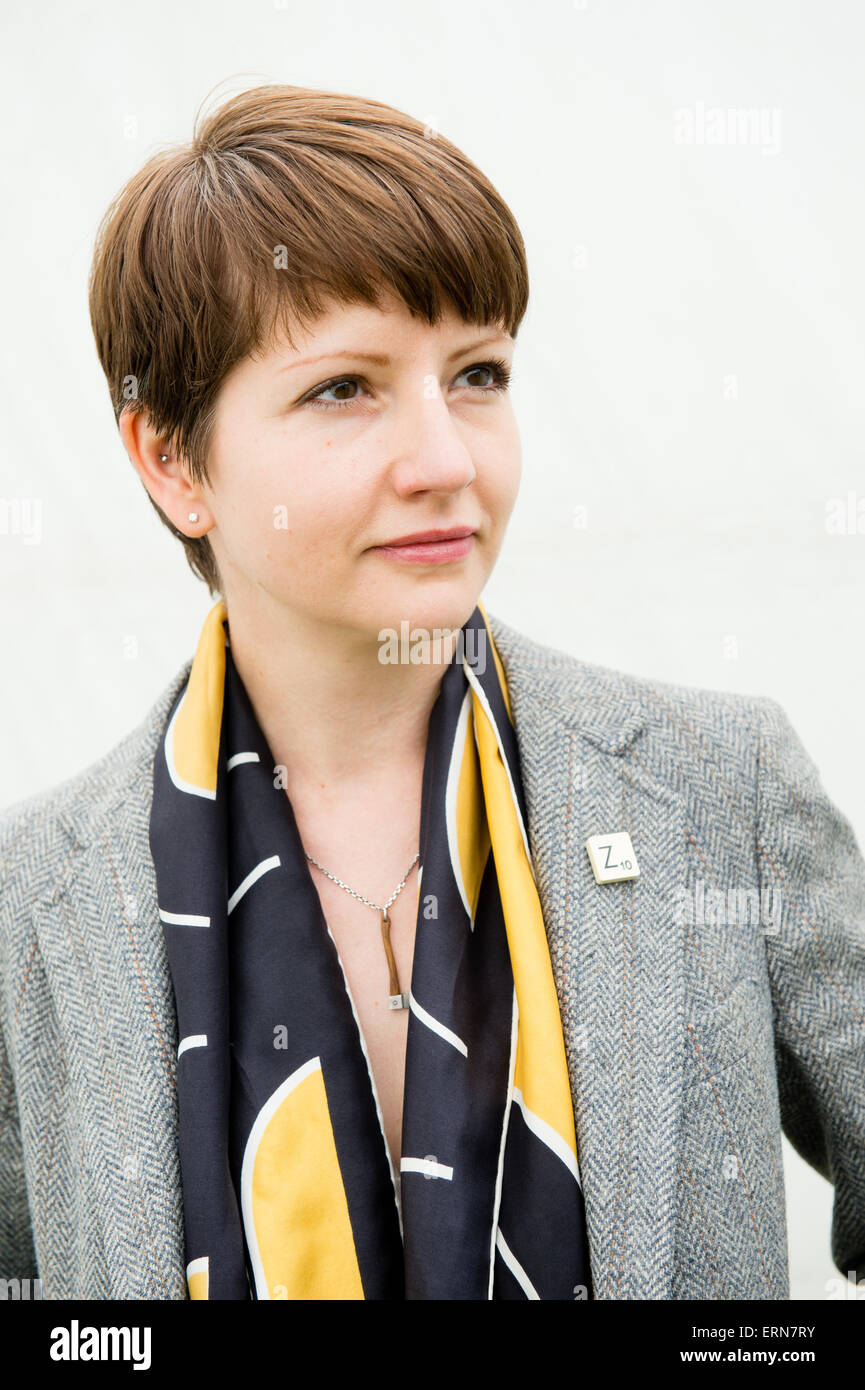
<point>397,999</point>
<point>377,907</point>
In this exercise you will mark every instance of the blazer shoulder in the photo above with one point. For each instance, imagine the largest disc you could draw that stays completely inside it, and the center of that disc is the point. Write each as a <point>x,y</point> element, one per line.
<point>38,829</point>
<point>601,698</point>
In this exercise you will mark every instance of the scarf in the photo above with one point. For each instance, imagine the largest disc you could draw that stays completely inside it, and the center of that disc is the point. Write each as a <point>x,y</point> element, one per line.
<point>289,1190</point>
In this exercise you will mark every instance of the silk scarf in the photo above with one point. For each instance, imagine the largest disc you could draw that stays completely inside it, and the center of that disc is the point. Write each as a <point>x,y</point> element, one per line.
<point>289,1190</point>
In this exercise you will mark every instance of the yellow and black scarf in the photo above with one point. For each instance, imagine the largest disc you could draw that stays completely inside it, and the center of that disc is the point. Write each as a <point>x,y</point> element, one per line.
<point>288,1187</point>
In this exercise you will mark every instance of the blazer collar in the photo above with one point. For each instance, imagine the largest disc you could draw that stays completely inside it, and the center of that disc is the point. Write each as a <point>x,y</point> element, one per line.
<point>616,952</point>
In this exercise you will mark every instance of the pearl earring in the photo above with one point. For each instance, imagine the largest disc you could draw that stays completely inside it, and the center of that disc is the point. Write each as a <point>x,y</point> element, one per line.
<point>193,516</point>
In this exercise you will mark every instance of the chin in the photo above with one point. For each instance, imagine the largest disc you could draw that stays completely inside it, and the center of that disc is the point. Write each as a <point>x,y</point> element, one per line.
<point>433,606</point>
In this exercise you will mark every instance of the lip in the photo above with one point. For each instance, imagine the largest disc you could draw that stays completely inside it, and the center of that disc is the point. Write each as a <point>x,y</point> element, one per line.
<point>454,533</point>
<point>430,547</point>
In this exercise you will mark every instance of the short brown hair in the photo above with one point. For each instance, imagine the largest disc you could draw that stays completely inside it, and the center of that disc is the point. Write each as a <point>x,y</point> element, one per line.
<point>285,200</point>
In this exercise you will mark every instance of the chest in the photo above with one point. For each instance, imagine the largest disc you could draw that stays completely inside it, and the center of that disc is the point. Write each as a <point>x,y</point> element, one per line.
<point>357,934</point>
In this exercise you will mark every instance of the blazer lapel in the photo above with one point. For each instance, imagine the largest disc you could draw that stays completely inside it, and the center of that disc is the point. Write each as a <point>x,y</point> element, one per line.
<point>616,951</point>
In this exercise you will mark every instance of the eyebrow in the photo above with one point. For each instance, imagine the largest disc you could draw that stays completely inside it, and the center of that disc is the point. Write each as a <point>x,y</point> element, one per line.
<point>382,360</point>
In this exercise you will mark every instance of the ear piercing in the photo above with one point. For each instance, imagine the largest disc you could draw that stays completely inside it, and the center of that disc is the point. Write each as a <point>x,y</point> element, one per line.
<point>193,516</point>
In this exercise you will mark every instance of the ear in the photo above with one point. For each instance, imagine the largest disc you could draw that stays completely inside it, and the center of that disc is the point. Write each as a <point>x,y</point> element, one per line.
<point>163,473</point>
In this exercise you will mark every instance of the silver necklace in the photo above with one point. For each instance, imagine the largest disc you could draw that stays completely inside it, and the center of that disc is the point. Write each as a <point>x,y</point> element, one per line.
<point>396,999</point>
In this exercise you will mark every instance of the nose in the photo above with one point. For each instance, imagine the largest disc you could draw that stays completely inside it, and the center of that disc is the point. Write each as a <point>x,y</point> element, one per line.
<point>431,455</point>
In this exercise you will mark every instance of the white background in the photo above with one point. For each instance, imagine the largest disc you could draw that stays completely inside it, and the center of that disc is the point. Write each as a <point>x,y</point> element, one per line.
<point>690,370</point>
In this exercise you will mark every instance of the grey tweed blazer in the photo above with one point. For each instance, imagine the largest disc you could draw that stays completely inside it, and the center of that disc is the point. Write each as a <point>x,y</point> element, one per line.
<point>708,1004</point>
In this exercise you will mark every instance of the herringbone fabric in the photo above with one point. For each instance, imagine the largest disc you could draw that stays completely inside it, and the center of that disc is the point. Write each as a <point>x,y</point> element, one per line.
<point>706,1004</point>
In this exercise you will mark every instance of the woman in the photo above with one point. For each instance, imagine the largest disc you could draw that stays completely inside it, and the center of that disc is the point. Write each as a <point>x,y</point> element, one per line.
<point>394,955</point>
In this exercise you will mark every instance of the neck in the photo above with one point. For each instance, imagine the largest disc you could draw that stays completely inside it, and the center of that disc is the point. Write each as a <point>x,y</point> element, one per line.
<point>332,713</point>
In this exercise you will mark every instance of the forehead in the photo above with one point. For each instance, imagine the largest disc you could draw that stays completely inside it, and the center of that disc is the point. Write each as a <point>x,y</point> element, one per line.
<point>387,329</point>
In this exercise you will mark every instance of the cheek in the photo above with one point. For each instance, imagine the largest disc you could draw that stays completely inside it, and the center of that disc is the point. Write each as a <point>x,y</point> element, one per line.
<point>505,478</point>
<point>256,522</point>
<point>273,509</point>
<point>296,537</point>
<point>516,474</point>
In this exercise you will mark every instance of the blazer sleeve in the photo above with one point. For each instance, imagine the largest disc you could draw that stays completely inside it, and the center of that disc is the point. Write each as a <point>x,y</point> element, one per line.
<point>17,1256</point>
<point>809,858</point>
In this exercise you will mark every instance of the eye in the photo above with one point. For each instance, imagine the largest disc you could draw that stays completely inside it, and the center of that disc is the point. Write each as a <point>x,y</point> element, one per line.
<point>336,383</point>
<point>495,367</point>
<point>499,371</point>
